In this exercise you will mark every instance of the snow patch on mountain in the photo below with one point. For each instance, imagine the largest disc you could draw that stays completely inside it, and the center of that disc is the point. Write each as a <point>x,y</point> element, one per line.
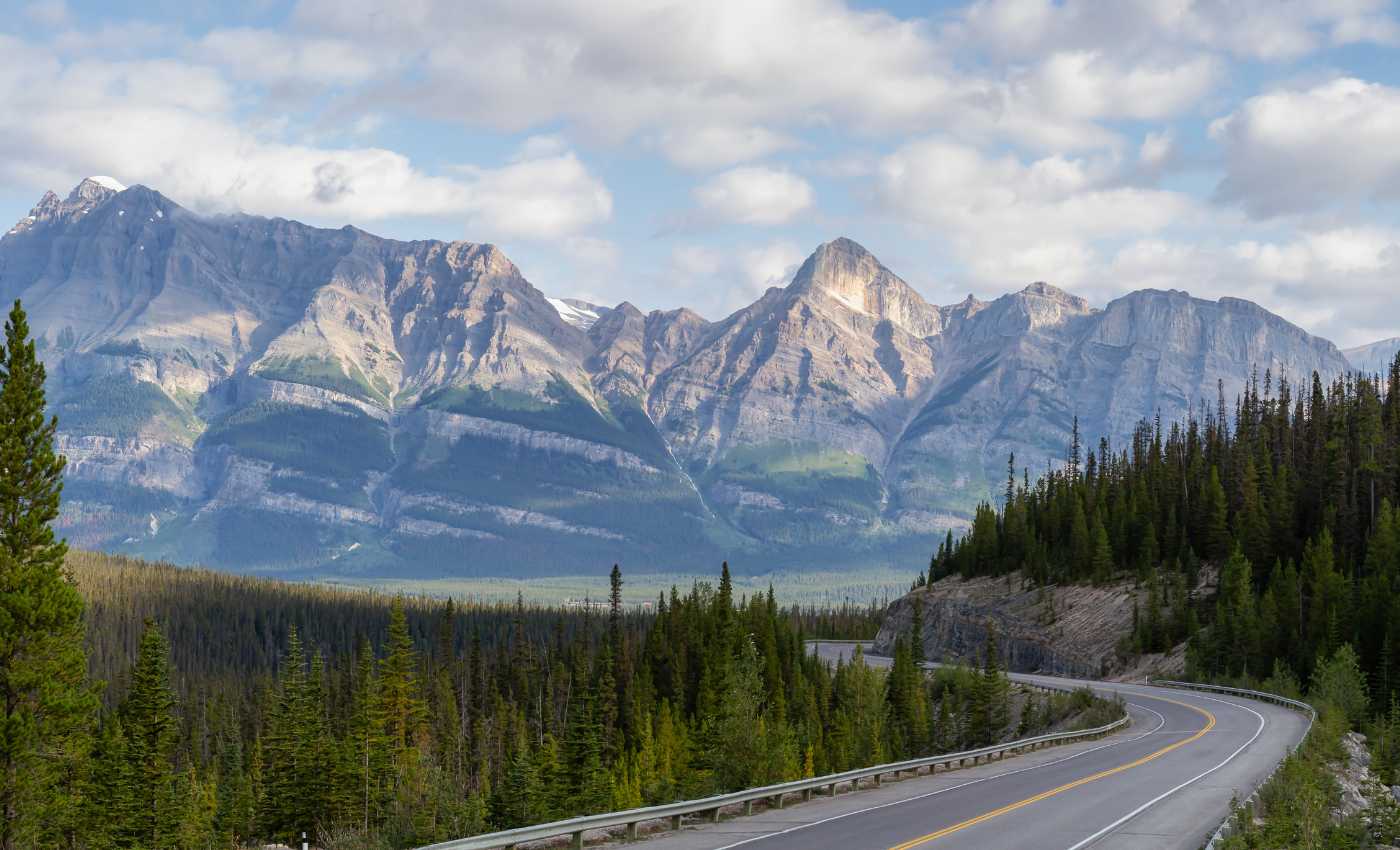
<point>580,314</point>
<point>108,182</point>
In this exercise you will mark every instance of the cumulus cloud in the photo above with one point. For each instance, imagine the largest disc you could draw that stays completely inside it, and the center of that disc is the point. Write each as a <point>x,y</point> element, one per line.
<point>718,282</point>
<point>1012,220</point>
<point>613,69</point>
<point>536,198</point>
<point>1255,29</point>
<point>720,145</point>
<point>754,195</point>
<point>729,81</point>
<point>1297,150</point>
<point>172,126</point>
<point>283,59</point>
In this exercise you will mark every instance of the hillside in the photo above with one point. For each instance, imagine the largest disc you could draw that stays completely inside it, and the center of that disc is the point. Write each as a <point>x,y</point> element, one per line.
<point>257,394</point>
<point>1067,630</point>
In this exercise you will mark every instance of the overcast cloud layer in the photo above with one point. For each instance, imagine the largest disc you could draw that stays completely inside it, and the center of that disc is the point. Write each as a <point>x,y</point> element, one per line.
<point>693,153</point>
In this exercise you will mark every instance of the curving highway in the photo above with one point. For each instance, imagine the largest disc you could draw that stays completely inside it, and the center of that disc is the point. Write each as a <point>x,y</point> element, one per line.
<point>1166,783</point>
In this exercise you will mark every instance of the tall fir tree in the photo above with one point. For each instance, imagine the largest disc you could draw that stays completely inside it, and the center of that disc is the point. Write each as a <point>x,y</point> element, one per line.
<point>151,728</point>
<point>47,707</point>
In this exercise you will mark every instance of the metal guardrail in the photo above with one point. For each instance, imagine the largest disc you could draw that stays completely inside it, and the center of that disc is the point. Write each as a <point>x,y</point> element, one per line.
<point>710,807</point>
<point>1228,827</point>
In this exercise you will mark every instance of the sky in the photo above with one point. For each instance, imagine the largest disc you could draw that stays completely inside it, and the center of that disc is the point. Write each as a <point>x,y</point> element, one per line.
<point>684,153</point>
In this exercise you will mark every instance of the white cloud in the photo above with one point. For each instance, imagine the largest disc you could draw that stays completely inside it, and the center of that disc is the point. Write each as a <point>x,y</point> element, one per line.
<point>1088,84</point>
<point>770,265</point>
<point>537,198</point>
<point>717,282</point>
<point>1299,150</point>
<point>283,59</point>
<point>1012,221</point>
<point>173,126</point>
<point>717,146</point>
<point>1254,29</point>
<point>613,69</point>
<point>754,195</point>
<point>730,81</point>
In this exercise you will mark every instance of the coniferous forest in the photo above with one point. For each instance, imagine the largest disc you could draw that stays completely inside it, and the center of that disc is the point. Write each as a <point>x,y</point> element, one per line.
<point>152,707</point>
<point>240,710</point>
<point>1292,499</point>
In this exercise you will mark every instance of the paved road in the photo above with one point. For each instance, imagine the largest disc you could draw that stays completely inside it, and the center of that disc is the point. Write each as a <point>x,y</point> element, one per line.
<point>1164,784</point>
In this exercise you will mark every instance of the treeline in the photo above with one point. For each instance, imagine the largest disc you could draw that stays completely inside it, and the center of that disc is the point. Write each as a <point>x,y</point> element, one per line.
<point>1295,500</point>
<point>409,740</point>
<point>214,712</point>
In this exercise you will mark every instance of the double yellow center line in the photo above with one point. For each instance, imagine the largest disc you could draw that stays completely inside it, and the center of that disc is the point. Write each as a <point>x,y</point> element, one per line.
<point>958,827</point>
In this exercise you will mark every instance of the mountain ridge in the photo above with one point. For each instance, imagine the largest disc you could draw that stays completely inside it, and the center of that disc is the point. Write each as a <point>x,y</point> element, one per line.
<point>257,393</point>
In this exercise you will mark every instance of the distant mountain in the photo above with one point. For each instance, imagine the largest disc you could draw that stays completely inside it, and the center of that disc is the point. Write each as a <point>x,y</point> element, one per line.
<point>255,393</point>
<point>1374,358</point>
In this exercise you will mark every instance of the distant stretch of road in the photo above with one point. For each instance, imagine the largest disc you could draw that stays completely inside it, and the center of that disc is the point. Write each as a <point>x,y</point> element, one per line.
<point>1164,784</point>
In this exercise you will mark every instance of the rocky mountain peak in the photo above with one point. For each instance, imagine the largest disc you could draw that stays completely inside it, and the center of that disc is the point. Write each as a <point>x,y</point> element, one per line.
<point>1041,305</point>
<point>89,194</point>
<point>342,398</point>
<point>94,189</point>
<point>844,271</point>
<point>1375,357</point>
<point>1042,289</point>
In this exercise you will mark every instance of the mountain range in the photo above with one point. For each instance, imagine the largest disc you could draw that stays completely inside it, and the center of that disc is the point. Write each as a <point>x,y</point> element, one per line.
<point>259,394</point>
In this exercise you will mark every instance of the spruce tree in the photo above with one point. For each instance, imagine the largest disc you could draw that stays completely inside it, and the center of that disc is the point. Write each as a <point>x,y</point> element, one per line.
<point>47,707</point>
<point>149,724</point>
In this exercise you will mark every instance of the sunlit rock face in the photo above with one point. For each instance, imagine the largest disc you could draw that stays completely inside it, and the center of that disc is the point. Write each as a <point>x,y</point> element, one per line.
<point>255,393</point>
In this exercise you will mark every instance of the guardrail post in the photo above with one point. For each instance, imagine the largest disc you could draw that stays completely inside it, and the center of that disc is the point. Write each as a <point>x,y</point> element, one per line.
<point>632,831</point>
<point>577,842</point>
<point>748,807</point>
<point>676,822</point>
<point>776,802</point>
<point>714,815</point>
<point>832,789</point>
<point>877,781</point>
<point>806,794</point>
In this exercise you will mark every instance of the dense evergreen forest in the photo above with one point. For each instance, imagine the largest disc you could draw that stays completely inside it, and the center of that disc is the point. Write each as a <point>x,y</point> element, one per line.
<point>1295,500</point>
<point>255,710</point>
<point>151,707</point>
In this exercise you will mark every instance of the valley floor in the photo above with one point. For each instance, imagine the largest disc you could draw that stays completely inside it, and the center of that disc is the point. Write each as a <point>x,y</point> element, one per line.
<point>818,588</point>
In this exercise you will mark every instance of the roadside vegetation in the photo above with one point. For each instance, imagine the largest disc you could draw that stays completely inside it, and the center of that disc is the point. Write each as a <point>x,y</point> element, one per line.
<point>1293,500</point>
<point>165,709</point>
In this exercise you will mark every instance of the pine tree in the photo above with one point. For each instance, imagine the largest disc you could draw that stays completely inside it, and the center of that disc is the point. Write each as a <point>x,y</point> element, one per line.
<point>149,725</point>
<point>399,699</point>
<point>1101,562</point>
<point>47,708</point>
<point>1216,540</point>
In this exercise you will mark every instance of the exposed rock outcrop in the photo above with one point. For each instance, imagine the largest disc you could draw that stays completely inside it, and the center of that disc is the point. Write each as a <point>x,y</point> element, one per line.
<point>1064,630</point>
<point>841,418</point>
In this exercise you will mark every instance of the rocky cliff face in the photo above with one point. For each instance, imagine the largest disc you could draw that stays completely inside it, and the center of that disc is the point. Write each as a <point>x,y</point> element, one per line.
<point>1375,358</point>
<point>1070,631</point>
<point>256,393</point>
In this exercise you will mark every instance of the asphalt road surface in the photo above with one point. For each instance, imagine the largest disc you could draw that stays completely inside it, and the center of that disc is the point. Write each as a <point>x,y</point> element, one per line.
<point>1165,783</point>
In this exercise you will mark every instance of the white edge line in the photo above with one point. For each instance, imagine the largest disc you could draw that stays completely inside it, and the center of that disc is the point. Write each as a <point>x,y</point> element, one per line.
<point>1161,721</point>
<point>1154,801</point>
